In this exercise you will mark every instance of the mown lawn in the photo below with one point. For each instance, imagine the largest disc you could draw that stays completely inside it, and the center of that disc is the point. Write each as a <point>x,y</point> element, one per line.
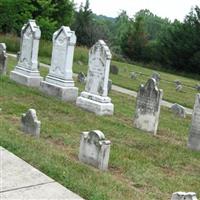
<point>141,167</point>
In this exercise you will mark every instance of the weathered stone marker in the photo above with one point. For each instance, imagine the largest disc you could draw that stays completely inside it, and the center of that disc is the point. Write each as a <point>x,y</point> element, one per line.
<point>26,72</point>
<point>94,149</point>
<point>178,110</point>
<point>148,107</point>
<point>30,123</point>
<point>156,76</point>
<point>59,82</point>
<point>184,196</point>
<point>194,136</point>
<point>95,98</point>
<point>3,58</point>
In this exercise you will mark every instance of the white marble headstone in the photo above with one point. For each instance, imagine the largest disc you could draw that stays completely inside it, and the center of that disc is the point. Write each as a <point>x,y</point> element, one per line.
<point>95,97</point>
<point>194,135</point>
<point>148,107</point>
<point>94,149</point>
<point>59,82</point>
<point>184,196</point>
<point>26,72</point>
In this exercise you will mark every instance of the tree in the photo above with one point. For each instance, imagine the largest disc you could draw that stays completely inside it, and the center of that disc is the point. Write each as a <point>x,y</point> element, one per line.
<point>135,40</point>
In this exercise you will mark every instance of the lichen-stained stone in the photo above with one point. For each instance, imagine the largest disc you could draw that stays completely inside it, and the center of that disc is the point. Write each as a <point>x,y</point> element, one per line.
<point>148,107</point>
<point>3,58</point>
<point>95,97</point>
<point>194,135</point>
<point>94,149</point>
<point>59,82</point>
<point>178,110</point>
<point>184,196</point>
<point>26,72</point>
<point>30,123</point>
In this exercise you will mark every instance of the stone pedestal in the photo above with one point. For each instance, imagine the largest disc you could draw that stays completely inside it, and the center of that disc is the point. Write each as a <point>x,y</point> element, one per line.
<point>96,104</point>
<point>61,92</point>
<point>25,78</point>
<point>26,72</point>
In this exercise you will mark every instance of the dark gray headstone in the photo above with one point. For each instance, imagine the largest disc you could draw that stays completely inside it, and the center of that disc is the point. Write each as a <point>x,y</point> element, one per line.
<point>148,107</point>
<point>114,69</point>
<point>178,110</point>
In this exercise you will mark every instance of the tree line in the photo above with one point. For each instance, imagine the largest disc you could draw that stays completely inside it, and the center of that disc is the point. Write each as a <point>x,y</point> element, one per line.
<point>145,37</point>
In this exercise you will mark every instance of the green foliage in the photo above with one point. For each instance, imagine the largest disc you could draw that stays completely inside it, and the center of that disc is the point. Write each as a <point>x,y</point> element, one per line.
<point>49,14</point>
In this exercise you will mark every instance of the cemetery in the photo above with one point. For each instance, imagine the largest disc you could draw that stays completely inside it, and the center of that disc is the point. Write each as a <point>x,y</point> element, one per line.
<point>100,144</point>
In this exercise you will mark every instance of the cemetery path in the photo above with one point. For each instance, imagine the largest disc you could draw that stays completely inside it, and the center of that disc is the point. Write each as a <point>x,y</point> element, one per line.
<point>19,180</point>
<point>124,90</point>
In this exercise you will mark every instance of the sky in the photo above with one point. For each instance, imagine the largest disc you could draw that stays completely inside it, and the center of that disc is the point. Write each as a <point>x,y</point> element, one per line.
<point>172,9</point>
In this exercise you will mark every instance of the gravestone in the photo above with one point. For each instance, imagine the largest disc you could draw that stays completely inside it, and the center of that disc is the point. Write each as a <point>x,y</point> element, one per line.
<point>59,82</point>
<point>156,76</point>
<point>30,123</point>
<point>198,87</point>
<point>134,75</point>
<point>94,98</point>
<point>114,69</point>
<point>148,107</point>
<point>81,78</point>
<point>26,72</point>
<point>3,58</point>
<point>178,110</point>
<point>194,135</point>
<point>94,149</point>
<point>184,196</point>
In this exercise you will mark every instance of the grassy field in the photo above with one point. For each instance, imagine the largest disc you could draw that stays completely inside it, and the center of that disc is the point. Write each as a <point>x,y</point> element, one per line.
<point>185,97</point>
<point>141,166</point>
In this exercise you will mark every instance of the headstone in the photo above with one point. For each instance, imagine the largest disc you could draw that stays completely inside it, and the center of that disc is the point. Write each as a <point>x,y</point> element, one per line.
<point>179,88</point>
<point>30,123</point>
<point>134,75</point>
<point>156,76</point>
<point>177,82</point>
<point>184,196</point>
<point>94,149</point>
<point>109,85</point>
<point>114,69</point>
<point>3,58</point>
<point>178,110</point>
<point>148,107</point>
<point>80,63</point>
<point>59,82</point>
<point>26,72</point>
<point>94,98</point>
<point>194,135</point>
<point>81,77</point>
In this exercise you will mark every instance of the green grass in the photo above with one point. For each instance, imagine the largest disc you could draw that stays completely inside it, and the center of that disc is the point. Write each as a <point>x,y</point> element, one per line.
<point>141,166</point>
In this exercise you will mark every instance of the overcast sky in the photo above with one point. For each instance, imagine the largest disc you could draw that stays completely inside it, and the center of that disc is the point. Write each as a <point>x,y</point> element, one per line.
<point>172,9</point>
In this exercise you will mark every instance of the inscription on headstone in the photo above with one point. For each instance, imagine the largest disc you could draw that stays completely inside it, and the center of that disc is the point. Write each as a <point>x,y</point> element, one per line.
<point>3,58</point>
<point>194,135</point>
<point>148,107</point>
<point>59,81</point>
<point>94,149</point>
<point>26,72</point>
<point>95,97</point>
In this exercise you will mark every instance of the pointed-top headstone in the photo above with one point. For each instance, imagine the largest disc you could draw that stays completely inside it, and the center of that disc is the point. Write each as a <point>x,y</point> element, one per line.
<point>95,97</point>
<point>59,81</point>
<point>148,106</point>
<point>26,72</point>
